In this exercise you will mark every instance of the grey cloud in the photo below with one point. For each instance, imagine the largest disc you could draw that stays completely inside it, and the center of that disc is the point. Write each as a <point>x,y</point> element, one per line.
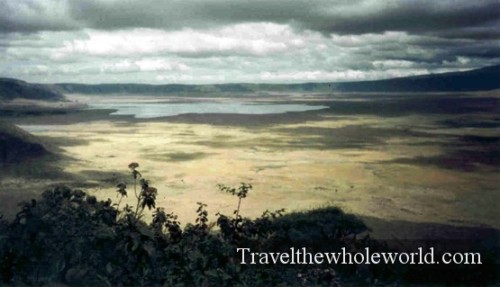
<point>446,18</point>
<point>479,50</point>
<point>28,16</point>
<point>416,17</point>
<point>340,40</point>
<point>491,32</point>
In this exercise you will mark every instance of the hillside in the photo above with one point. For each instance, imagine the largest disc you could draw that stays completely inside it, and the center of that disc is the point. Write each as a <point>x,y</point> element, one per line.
<point>17,145</point>
<point>483,79</point>
<point>16,89</point>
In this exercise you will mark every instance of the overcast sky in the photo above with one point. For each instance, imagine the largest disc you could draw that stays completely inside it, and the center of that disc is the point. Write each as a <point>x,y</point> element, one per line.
<point>216,41</point>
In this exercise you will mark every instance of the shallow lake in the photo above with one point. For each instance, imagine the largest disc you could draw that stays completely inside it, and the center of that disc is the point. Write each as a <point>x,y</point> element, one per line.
<point>162,109</point>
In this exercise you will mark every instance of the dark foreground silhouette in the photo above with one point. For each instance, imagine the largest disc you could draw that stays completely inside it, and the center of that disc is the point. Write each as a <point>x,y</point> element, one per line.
<point>69,237</point>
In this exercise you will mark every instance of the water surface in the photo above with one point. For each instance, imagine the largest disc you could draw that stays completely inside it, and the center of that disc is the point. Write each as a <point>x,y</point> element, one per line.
<point>162,109</point>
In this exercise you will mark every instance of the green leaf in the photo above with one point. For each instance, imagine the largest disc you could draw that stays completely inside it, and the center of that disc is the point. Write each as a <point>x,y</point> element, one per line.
<point>109,267</point>
<point>149,248</point>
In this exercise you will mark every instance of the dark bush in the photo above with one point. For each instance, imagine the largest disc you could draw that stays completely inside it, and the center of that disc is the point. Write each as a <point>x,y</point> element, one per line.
<point>69,237</point>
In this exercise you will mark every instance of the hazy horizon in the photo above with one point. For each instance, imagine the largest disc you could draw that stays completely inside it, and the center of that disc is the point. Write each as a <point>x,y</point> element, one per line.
<point>256,83</point>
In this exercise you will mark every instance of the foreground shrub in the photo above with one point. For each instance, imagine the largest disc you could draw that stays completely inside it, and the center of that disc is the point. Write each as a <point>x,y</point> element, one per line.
<point>69,237</point>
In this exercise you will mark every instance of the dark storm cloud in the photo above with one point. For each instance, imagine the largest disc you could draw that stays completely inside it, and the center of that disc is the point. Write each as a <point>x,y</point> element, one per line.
<point>480,50</point>
<point>33,16</point>
<point>446,18</point>
<point>418,17</point>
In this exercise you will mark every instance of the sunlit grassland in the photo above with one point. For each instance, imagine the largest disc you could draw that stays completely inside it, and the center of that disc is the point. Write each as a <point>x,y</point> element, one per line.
<point>360,163</point>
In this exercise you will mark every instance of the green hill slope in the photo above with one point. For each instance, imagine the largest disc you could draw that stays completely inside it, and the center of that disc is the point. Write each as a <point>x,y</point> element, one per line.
<point>17,145</point>
<point>483,79</point>
<point>13,89</point>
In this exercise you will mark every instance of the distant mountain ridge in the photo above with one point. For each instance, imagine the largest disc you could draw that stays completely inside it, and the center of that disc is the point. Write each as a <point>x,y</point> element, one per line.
<point>16,89</point>
<point>482,79</point>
